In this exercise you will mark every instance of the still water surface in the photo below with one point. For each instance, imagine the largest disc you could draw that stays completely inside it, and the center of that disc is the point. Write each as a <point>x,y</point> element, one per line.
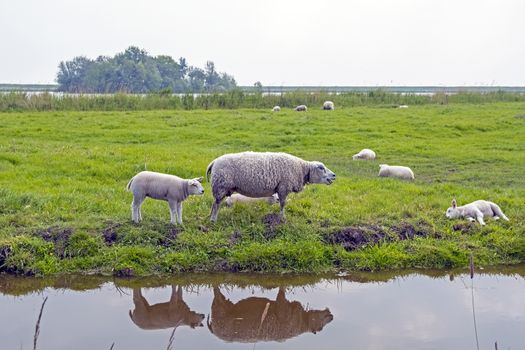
<point>408,310</point>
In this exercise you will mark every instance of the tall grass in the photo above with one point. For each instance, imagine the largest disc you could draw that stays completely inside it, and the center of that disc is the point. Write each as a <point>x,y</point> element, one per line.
<point>19,101</point>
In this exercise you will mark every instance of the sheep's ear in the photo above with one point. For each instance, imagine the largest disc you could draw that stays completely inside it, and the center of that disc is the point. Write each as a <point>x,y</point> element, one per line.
<point>454,203</point>
<point>199,179</point>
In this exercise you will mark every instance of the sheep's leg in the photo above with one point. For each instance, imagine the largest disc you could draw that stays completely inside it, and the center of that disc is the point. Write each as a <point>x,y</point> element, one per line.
<point>179,212</point>
<point>173,212</point>
<point>496,217</point>
<point>470,219</point>
<point>135,209</point>
<point>216,205</point>
<point>282,203</point>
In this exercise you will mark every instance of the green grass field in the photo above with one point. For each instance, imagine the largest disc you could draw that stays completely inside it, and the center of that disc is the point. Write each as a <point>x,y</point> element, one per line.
<point>64,208</point>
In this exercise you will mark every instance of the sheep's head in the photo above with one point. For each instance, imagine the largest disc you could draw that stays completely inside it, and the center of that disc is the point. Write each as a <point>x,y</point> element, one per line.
<point>320,174</point>
<point>195,186</point>
<point>453,211</point>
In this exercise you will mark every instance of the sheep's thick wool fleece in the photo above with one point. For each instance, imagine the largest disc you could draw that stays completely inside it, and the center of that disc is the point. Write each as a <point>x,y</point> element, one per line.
<point>258,174</point>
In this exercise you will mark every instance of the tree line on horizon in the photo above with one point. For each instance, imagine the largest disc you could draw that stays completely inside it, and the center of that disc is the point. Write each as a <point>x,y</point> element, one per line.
<point>135,71</point>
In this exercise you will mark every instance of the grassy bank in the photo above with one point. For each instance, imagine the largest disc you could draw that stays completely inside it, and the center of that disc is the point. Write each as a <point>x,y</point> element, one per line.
<point>236,99</point>
<point>63,206</point>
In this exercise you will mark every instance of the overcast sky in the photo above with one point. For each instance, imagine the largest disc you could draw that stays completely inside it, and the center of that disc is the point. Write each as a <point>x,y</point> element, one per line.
<point>286,42</point>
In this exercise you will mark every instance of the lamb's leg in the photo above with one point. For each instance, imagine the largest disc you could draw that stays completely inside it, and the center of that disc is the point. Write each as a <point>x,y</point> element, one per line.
<point>173,212</point>
<point>471,219</point>
<point>135,209</point>
<point>179,212</point>
<point>495,217</point>
<point>479,216</point>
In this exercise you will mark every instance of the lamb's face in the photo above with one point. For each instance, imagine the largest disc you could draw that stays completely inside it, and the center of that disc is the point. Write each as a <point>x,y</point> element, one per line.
<point>452,213</point>
<point>320,174</point>
<point>195,186</point>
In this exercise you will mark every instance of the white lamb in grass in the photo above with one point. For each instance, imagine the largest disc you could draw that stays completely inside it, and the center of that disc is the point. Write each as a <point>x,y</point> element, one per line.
<point>476,210</point>
<point>165,187</point>
<point>238,198</point>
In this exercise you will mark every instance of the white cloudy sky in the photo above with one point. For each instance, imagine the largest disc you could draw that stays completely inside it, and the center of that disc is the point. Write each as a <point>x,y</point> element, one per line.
<point>286,42</point>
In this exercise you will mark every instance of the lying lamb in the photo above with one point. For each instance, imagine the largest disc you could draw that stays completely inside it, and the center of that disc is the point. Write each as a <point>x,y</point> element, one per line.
<point>328,106</point>
<point>475,210</point>
<point>165,187</point>
<point>365,154</point>
<point>239,198</point>
<point>255,174</point>
<point>276,109</point>
<point>401,172</point>
<point>301,108</point>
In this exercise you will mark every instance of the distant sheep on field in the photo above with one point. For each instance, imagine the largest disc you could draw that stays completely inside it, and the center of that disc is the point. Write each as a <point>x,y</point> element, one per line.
<point>164,187</point>
<point>400,172</point>
<point>256,174</point>
<point>328,106</point>
<point>301,108</point>
<point>365,154</point>
<point>276,109</point>
<point>238,198</point>
<point>476,210</point>
<point>403,106</point>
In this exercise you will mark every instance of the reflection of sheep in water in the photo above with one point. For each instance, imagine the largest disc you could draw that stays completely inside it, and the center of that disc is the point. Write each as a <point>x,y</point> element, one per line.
<point>256,174</point>
<point>241,322</point>
<point>476,210</point>
<point>238,198</point>
<point>164,315</point>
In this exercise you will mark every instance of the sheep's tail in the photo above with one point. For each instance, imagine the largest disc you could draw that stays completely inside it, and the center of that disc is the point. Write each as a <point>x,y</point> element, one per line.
<point>128,187</point>
<point>497,210</point>
<point>208,170</point>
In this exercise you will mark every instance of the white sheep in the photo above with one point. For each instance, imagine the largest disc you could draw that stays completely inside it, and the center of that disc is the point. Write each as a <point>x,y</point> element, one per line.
<point>261,174</point>
<point>165,187</point>
<point>238,198</point>
<point>476,210</point>
<point>403,106</point>
<point>276,109</point>
<point>328,106</point>
<point>401,172</point>
<point>301,108</point>
<point>365,154</point>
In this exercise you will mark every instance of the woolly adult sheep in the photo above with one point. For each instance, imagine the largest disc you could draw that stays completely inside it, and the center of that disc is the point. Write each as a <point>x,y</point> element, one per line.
<point>239,198</point>
<point>365,154</point>
<point>255,174</point>
<point>476,210</point>
<point>400,172</point>
<point>165,187</point>
<point>328,106</point>
<point>276,109</point>
<point>301,108</point>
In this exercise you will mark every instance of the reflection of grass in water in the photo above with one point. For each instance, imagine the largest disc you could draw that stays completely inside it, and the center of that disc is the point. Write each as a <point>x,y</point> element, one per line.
<point>37,327</point>
<point>66,172</point>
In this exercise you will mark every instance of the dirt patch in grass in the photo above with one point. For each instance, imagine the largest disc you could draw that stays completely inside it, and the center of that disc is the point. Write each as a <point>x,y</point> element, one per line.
<point>5,252</point>
<point>464,227</point>
<point>357,237</point>
<point>235,237</point>
<point>110,232</point>
<point>171,237</point>
<point>125,272</point>
<point>271,221</point>
<point>59,236</point>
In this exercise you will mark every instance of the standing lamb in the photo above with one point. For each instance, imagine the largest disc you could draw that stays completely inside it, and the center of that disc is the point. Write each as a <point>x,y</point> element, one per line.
<point>476,210</point>
<point>255,174</point>
<point>276,109</point>
<point>165,187</point>
<point>301,108</point>
<point>328,106</point>
<point>365,154</point>
<point>401,172</point>
<point>239,198</point>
